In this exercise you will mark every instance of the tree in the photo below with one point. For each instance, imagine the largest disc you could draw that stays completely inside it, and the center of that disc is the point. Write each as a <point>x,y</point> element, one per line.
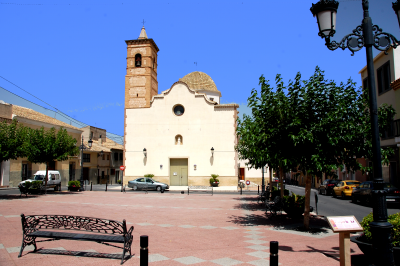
<point>12,141</point>
<point>46,146</point>
<point>316,125</point>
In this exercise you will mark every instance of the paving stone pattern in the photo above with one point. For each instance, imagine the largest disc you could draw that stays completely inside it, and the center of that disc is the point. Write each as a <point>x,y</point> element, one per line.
<point>182,229</point>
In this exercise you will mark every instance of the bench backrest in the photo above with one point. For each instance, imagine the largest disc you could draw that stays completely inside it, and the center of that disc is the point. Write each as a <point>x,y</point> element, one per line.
<point>36,222</point>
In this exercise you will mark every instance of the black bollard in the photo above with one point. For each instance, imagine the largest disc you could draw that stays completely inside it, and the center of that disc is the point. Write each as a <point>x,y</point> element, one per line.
<point>111,182</point>
<point>240,190</point>
<point>273,256</point>
<point>258,189</point>
<point>91,186</point>
<point>106,186</point>
<point>144,250</point>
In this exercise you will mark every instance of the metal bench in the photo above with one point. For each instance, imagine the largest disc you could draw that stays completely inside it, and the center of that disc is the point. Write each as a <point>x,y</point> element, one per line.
<point>263,197</point>
<point>23,190</point>
<point>273,207</point>
<point>107,231</point>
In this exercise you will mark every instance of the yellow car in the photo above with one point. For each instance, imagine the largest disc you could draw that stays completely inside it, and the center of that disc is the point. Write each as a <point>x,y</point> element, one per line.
<point>345,187</point>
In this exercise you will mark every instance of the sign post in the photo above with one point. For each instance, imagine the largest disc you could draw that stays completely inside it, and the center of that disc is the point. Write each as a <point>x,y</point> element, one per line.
<point>344,225</point>
<point>122,168</point>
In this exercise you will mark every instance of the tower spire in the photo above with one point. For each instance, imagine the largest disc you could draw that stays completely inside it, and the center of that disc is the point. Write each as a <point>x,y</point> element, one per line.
<point>143,34</point>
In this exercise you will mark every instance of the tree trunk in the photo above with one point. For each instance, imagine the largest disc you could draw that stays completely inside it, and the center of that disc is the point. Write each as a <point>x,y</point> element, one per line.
<point>46,177</point>
<point>306,222</point>
<point>281,180</point>
<point>270,182</point>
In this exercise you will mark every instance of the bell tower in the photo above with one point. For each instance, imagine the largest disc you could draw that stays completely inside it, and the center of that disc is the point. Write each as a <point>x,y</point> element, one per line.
<point>141,72</point>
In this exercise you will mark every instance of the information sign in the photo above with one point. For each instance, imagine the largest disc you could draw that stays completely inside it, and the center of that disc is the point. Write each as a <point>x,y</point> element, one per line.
<point>122,168</point>
<point>344,224</point>
<point>247,182</point>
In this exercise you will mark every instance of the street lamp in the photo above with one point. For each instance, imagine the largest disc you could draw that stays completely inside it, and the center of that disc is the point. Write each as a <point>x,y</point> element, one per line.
<point>212,151</point>
<point>145,152</point>
<point>366,35</point>
<point>82,147</point>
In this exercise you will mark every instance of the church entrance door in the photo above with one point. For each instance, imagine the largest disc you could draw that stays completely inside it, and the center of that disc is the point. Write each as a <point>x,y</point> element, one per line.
<point>178,172</point>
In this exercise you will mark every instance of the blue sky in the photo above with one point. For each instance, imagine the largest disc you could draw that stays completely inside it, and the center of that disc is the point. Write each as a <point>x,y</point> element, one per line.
<point>72,54</point>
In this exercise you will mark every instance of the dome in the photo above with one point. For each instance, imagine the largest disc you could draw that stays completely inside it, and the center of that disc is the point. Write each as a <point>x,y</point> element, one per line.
<point>199,81</point>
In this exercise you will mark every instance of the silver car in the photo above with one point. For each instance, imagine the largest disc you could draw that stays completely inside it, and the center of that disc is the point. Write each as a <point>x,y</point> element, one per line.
<point>146,183</point>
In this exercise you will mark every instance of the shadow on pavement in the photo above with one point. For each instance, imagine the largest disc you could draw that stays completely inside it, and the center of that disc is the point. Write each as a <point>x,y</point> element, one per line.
<point>82,254</point>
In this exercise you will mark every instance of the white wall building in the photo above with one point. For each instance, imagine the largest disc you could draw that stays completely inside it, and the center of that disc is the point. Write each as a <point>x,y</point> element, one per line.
<point>177,128</point>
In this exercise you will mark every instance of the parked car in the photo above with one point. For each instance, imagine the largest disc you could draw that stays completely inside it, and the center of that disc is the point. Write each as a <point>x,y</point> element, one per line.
<point>345,187</point>
<point>327,186</point>
<point>363,193</point>
<point>147,183</point>
<point>53,181</point>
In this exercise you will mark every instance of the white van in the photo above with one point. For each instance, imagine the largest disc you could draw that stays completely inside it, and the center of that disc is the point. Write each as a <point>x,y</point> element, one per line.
<point>53,181</point>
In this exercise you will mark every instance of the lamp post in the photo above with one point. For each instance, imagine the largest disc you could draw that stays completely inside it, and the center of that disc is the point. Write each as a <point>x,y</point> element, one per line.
<point>365,35</point>
<point>83,148</point>
<point>212,151</point>
<point>145,152</point>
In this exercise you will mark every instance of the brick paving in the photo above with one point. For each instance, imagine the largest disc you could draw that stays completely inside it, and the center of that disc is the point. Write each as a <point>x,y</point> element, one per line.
<point>195,229</point>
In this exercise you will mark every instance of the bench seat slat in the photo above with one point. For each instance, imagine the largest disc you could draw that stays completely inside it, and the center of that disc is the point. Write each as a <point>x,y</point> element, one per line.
<point>78,236</point>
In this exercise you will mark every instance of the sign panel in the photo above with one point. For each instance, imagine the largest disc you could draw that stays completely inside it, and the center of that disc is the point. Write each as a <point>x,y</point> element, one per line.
<point>175,173</point>
<point>122,168</point>
<point>247,182</point>
<point>344,224</point>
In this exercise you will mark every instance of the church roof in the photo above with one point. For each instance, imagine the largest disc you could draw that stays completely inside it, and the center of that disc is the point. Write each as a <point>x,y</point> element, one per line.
<point>198,81</point>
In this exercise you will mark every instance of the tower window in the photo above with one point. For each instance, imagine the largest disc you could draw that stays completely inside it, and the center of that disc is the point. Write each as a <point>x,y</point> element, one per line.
<point>138,60</point>
<point>154,63</point>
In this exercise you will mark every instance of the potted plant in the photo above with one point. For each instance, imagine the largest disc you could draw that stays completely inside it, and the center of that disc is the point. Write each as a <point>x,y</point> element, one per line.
<point>74,185</point>
<point>364,242</point>
<point>119,181</point>
<point>293,205</point>
<point>35,187</point>
<point>149,175</point>
<point>214,181</point>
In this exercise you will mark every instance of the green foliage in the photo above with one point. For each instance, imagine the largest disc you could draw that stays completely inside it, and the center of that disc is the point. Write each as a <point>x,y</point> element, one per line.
<point>46,146</point>
<point>394,219</point>
<point>12,140</point>
<point>36,185</point>
<point>118,181</point>
<point>74,183</point>
<point>294,204</point>
<point>149,175</point>
<point>276,192</point>
<point>314,124</point>
<point>214,179</point>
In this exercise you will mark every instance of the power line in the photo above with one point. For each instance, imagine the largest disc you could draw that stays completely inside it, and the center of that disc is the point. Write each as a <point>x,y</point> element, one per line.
<point>111,136</point>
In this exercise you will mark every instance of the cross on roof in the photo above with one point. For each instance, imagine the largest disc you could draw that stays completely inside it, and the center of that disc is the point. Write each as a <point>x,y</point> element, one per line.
<point>143,22</point>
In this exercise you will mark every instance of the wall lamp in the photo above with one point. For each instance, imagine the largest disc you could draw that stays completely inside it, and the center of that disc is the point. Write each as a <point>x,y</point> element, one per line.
<point>212,151</point>
<point>145,152</point>
<point>100,154</point>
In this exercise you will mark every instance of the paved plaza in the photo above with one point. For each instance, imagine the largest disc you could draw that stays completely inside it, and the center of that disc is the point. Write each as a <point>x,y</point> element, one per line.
<point>195,229</point>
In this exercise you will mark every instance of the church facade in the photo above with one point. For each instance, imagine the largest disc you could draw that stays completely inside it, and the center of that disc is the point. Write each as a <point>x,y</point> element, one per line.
<point>181,135</point>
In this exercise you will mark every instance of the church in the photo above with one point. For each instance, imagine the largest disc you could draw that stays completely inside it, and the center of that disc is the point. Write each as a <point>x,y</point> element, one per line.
<point>181,135</point>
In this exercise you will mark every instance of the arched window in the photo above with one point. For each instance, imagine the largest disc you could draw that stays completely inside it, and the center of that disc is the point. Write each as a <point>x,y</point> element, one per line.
<point>138,60</point>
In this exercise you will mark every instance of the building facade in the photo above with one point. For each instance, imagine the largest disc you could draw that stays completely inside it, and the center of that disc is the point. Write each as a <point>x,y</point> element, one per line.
<point>183,134</point>
<point>14,171</point>
<point>387,71</point>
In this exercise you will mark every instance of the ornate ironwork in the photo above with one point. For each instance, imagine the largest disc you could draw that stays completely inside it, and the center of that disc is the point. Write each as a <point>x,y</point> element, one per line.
<point>355,41</point>
<point>33,223</point>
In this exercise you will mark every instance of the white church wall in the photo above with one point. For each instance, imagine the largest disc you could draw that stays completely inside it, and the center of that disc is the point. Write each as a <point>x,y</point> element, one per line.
<point>201,126</point>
